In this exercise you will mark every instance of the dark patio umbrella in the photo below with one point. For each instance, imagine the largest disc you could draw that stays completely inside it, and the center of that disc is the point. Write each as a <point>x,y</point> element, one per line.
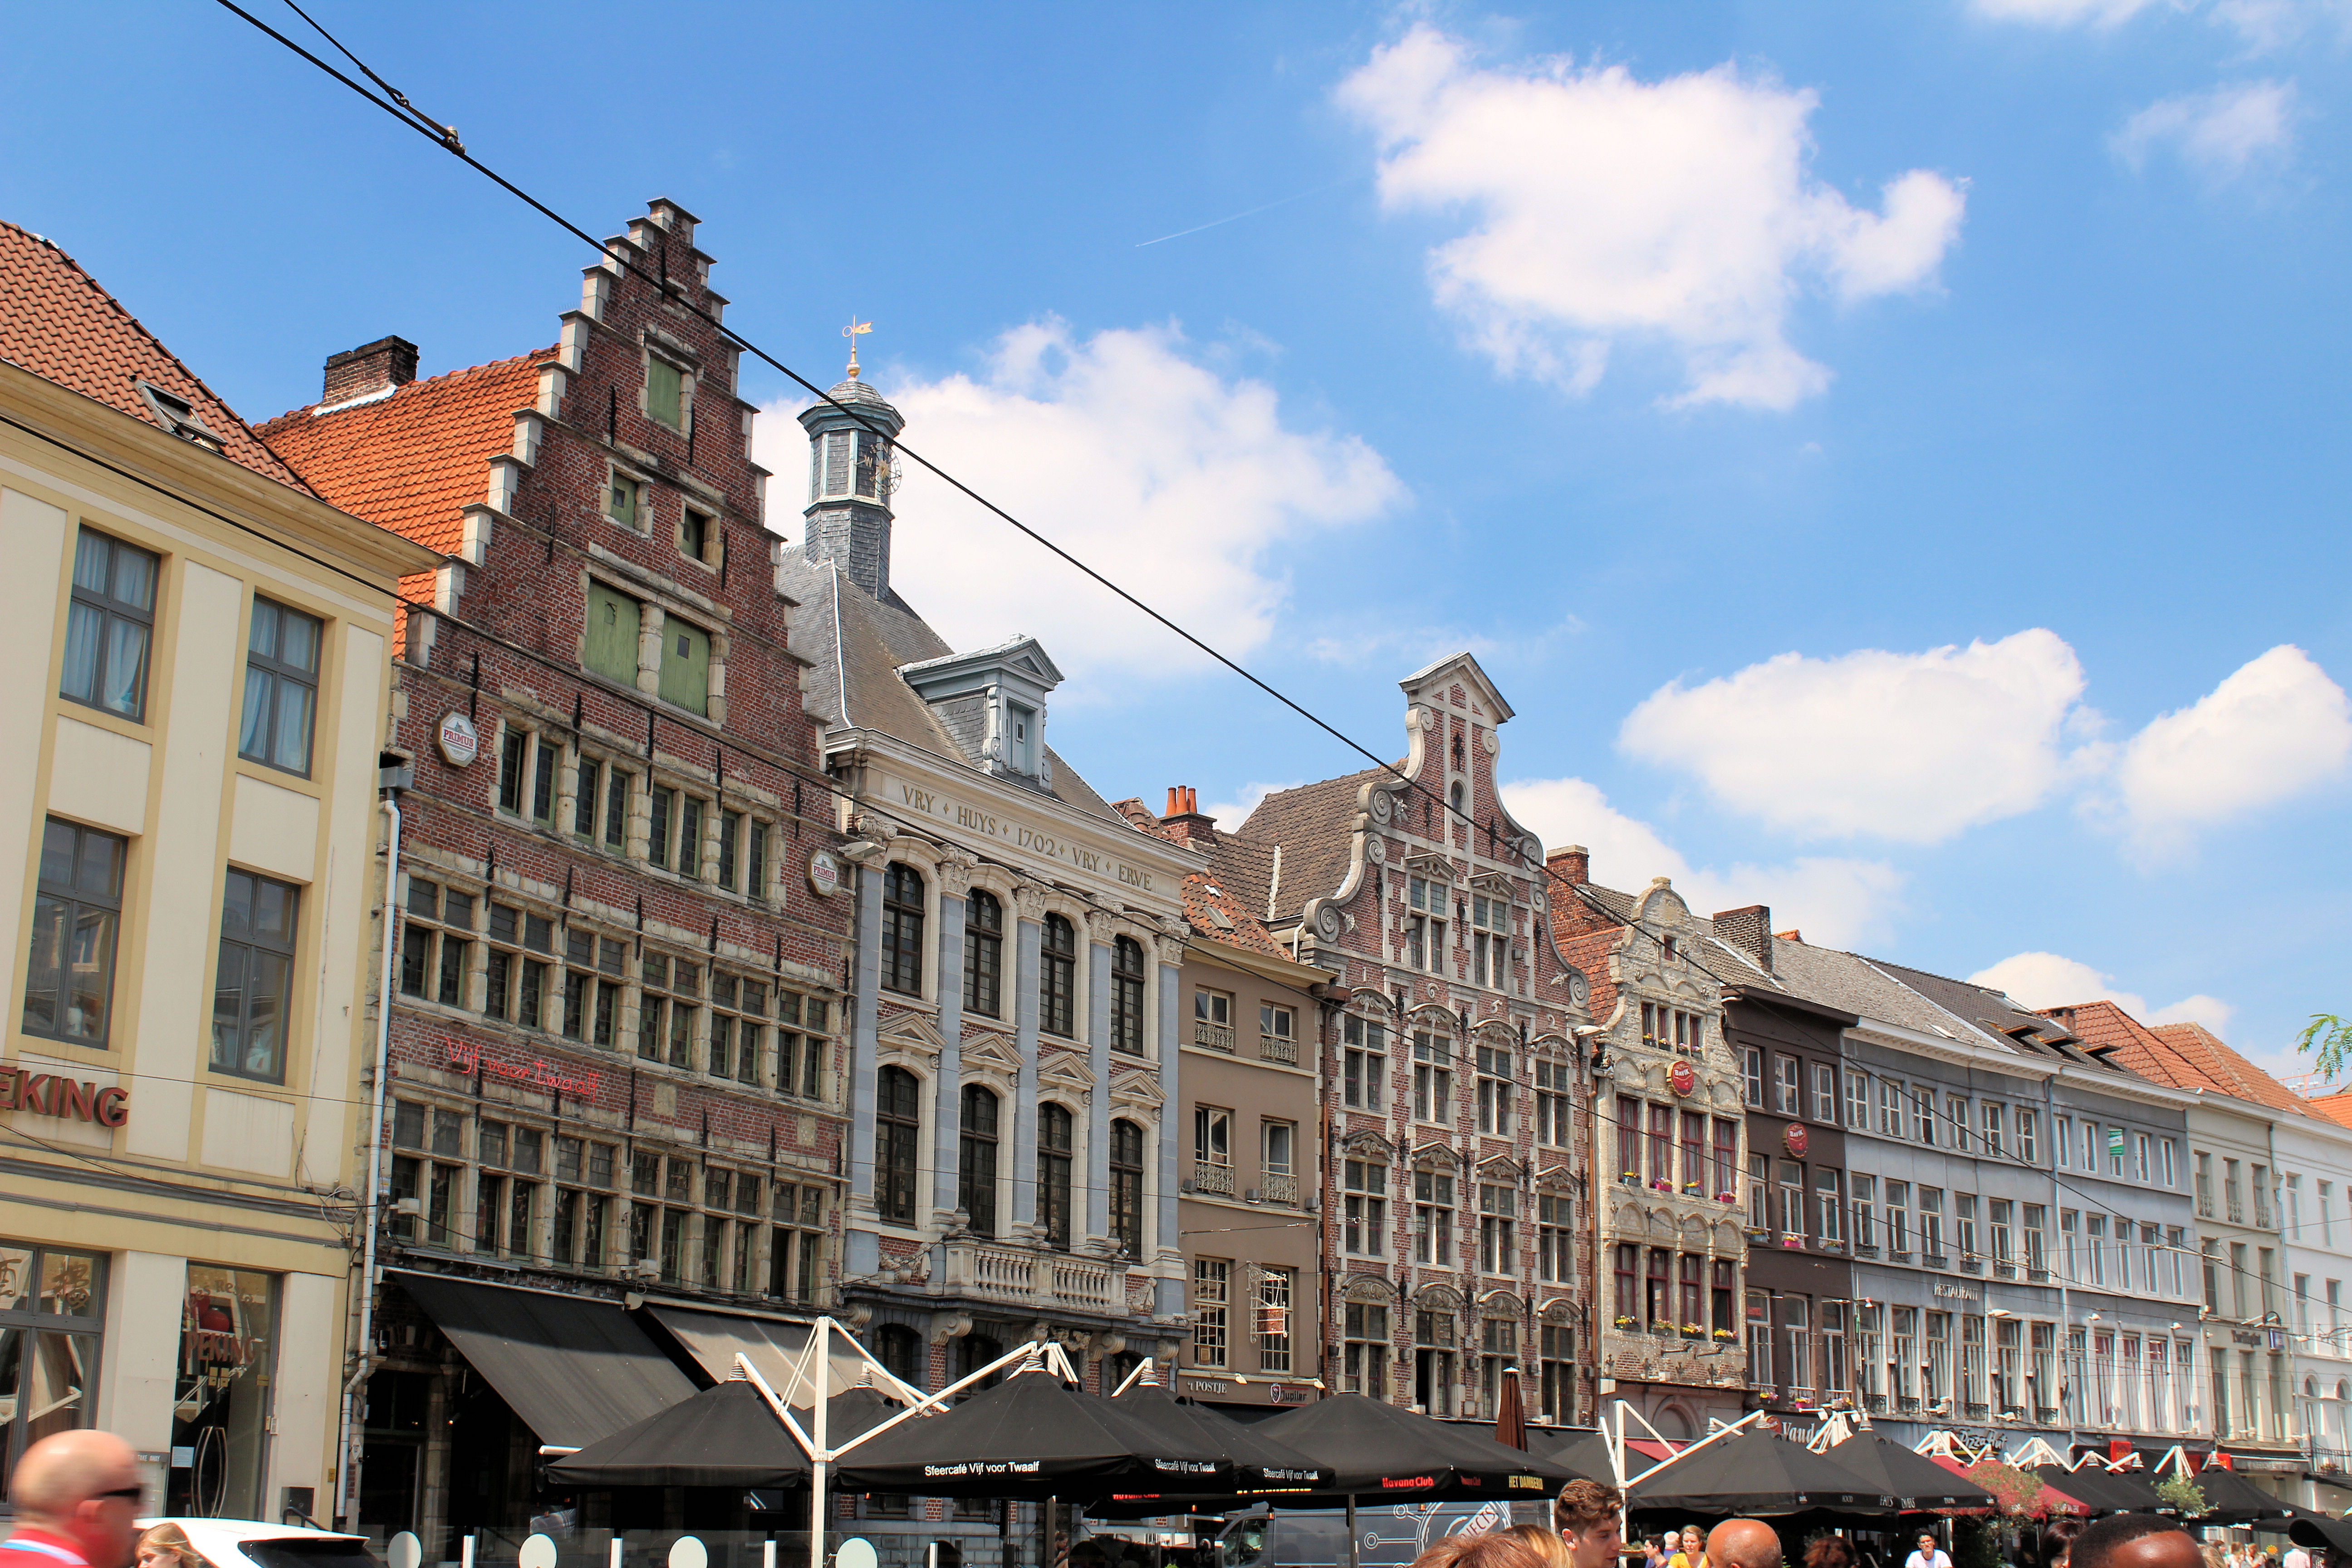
<point>1033,1436</point>
<point>1586,1454</point>
<point>725,1435</point>
<point>1384,1450</point>
<point>1756,1473</point>
<point>2233,1500</point>
<point>1261,1463</point>
<point>2107,1491</point>
<point>1914,1480</point>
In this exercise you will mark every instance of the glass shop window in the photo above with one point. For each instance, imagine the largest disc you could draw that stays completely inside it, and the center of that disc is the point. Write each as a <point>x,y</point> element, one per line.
<point>220,1409</point>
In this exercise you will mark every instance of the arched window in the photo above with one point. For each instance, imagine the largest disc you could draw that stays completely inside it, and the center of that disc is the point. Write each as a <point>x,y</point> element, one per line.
<point>984,954</point>
<point>1126,1186</point>
<point>976,1160</point>
<point>1127,995</point>
<point>902,928</point>
<point>901,1349</point>
<point>1455,795</point>
<point>1054,1174</point>
<point>1058,978</point>
<point>898,1133</point>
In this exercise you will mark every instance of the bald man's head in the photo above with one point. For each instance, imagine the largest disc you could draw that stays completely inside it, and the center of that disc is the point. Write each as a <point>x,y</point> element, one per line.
<point>1744,1544</point>
<point>84,1486</point>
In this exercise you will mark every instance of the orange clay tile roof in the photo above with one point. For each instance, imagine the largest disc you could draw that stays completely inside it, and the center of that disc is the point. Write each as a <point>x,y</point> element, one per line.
<point>2335,1106</point>
<point>58,324</point>
<point>2183,1056</point>
<point>2225,1065</point>
<point>1213,911</point>
<point>413,461</point>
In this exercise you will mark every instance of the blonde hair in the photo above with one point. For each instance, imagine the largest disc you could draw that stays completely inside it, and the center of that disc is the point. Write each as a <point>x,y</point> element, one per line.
<point>1521,1546</point>
<point>172,1540</point>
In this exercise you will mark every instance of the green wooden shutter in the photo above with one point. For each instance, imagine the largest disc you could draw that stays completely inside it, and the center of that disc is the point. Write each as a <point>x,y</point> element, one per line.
<point>612,648</point>
<point>686,666</point>
<point>665,391</point>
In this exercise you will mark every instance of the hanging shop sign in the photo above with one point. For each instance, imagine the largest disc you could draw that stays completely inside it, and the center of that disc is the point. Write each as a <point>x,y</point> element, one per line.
<point>824,873</point>
<point>1683,1079</point>
<point>1795,1138</point>
<point>460,742</point>
<point>74,1100</point>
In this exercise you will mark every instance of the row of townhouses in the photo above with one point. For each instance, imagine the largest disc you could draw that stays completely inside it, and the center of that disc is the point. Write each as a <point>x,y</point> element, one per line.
<point>616,927</point>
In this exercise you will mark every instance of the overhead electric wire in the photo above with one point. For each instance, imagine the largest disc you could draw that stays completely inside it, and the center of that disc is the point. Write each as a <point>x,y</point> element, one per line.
<point>399,109</point>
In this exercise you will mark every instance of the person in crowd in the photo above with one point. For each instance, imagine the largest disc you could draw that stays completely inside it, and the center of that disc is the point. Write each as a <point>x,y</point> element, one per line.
<point>2135,1541</point>
<point>1830,1550</point>
<point>1589,1517</point>
<point>1928,1555</point>
<point>1658,1551</point>
<point>77,1497</point>
<point>2213,1554</point>
<point>1744,1544</point>
<point>2296,1557</point>
<point>167,1546</point>
<point>2057,1539</point>
<point>1692,1553</point>
<point>1521,1546</point>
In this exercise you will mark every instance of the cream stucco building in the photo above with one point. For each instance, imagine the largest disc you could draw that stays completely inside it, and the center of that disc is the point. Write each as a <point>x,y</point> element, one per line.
<point>188,765</point>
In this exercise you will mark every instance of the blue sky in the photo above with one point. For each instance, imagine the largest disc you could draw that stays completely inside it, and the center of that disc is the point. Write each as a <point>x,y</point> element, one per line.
<point>1889,456</point>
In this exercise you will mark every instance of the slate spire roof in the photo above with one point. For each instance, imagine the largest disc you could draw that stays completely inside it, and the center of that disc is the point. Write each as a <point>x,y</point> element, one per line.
<point>58,324</point>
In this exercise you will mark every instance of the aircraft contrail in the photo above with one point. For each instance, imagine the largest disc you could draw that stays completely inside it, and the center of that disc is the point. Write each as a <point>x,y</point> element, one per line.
<point>1237,217</point>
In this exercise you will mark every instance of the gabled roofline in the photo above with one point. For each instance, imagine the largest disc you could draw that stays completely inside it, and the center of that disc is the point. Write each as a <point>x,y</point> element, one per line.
<point>1477,673</point>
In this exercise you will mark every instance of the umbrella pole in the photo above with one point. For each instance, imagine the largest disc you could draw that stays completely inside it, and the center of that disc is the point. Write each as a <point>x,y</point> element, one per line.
<point>820,1498</point>
<point>1351,1530</point>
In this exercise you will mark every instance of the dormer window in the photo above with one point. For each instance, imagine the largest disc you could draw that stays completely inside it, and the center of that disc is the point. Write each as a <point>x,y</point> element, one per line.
<point>1021,738</point>
<point>178,416</point>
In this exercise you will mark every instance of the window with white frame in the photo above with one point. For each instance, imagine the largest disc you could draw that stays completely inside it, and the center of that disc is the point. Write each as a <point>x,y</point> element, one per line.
<point>1495,1075</point>
<point>1364,1207</point>
<point>1363,1064</point>
<point>1553,1127</point>
<point>1211,1278</point>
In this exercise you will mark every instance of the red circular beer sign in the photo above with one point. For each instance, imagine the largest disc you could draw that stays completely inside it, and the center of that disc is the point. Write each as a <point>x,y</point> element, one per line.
<point>1795,1138</point>
<point>1683,1078</point>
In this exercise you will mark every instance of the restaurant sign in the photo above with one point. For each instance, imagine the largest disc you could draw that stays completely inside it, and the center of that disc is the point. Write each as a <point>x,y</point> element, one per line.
<point>53,1094</point>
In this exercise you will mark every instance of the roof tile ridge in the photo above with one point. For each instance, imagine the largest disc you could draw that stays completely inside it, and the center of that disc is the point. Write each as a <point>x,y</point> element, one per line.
<point>140,327</point>
<point>420,386</point>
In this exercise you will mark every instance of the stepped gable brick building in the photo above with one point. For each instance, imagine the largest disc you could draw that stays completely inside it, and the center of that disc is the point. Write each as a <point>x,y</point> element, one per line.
<point>1456,1137</point>
<point>620,945</point>
<point>1016,1007</point>
<point>1671,1141</point>
<point>1252,1016</point>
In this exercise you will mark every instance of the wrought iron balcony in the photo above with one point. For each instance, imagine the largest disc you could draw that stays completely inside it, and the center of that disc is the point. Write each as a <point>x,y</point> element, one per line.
<point>1276,1048</point>
<point>1216,1037</point>
<point>1211,1178</point>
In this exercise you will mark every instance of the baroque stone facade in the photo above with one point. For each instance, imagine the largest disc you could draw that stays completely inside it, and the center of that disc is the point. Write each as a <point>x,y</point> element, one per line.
<point>1456,1136</point>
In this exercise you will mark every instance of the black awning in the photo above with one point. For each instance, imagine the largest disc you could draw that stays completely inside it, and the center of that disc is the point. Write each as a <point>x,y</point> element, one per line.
<point>574,1370</point>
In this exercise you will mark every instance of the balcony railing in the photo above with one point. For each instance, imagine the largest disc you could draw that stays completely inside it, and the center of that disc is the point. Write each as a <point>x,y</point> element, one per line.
<point>1276,1048</point>
<point>1279,1189</point>
<point>1025,1278</point>
<point>1211,1178</point>
<point>1971,1265</point>
<point>2004,1270</point>
<point>1935,1260</point>
<point>1216,1037</point>
<point>1874,1403</point>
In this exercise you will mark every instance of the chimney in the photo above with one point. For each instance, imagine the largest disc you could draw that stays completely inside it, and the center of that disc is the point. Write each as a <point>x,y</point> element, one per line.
<point>370,370</point>
<point>1749,929</point>
<point>1183,821</point>
<point>1573,864</point>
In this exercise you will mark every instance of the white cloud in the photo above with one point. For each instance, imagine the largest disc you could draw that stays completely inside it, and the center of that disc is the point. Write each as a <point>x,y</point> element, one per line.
<point>1835,903</point>
<point>2260,25</point>
<point>1913,747</point>
<point>2048,980</point>
<point>1231,814</point>
<point>1611,210</point>
<point>2276,728</point>
<point>2219,135</point>
<point>2062,13</point>
<point>1174,480</point>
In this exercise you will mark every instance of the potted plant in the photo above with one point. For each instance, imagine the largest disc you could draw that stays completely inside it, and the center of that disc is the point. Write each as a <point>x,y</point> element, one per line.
<point>1690,1186</point>
<point>1625,1323</point>
<point>1693,1331</point>
<point>1724,1334</point>
<point>2183,1495</point>
<point>1631,1178</point>
<point>1660,1184</point>
<point>1727,1197</point>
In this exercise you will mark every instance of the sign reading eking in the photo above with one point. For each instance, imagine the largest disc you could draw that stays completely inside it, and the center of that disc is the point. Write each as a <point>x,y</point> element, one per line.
<point>51,1094</point>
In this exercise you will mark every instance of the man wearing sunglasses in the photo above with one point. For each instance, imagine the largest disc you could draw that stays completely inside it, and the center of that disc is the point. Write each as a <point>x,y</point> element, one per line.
<point>76,1498</point>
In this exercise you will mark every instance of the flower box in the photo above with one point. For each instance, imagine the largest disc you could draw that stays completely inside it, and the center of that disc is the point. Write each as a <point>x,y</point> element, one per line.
<point>1727,1197</point>
<point>1662,1187</point>
<point>1724,1334</point>
<point>1626,1323</point>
